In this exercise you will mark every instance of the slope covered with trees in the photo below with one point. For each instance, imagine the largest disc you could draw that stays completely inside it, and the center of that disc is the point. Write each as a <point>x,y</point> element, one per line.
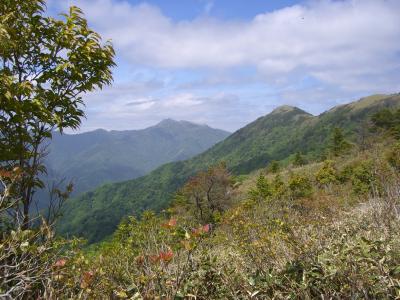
<point>325,229</point>
<point>277,136</point>
<point>94,158</point>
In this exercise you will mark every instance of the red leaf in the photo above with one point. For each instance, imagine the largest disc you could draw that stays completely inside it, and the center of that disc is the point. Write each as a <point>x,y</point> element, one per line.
<point>202,229</point>
<point>87,278</point>
<point>139,259</point>
<point>154,258</point>
<point>166,256</point>
<point>5,173</point>
<point>60,263</point>
<point>171,223</point>
<point>206,228</point>
<point>196,232</point>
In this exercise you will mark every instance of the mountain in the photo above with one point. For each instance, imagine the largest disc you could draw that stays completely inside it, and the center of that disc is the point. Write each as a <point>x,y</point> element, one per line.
<point>276,136</point>
<point>94,158</point>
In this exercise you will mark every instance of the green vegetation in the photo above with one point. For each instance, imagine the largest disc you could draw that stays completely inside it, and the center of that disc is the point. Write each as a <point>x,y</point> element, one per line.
<point>388,120</point>
<point>327,175</point>
<point>298,160</point>
<point>339,145</point>
<point>94,158</point>
<point>303,233</point>
<point>46,65</point>
<point>262,191</point>
<point>277,136</point>
<point>274,166</point>
<point>325,229</point>
<point>247,228</point>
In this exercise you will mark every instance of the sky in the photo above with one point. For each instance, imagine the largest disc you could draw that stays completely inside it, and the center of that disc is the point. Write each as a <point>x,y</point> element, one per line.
<point>225,63</point>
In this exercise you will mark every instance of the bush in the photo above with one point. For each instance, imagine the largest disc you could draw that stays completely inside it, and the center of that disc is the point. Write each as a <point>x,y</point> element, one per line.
<point>279,189</point>
<point>262,190</point>
<point>393,157</point>
<point>327,175</point>
<point>274,167</point>
<point>361,175</point>
<point>362,178</point>
<point>298,160</point>
<point>299,186</point>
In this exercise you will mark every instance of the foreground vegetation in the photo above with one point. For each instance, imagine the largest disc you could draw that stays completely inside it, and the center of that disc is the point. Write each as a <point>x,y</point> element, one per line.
<point>323,229</point>
<point>327,230</point>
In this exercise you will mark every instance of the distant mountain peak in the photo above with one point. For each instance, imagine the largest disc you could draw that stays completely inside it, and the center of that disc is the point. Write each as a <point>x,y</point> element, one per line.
<point>171,122</point>
<point>100,130</point>
<point>287,108</point>
<point>167,121</point>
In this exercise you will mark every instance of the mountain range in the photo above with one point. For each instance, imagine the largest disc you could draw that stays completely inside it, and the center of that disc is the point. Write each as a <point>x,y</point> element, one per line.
<point>276,136</point>
<point>93,158</point>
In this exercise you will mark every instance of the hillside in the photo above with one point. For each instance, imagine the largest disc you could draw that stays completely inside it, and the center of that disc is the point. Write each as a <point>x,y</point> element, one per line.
<point>286,130</point>
<point>324,230</point>
<point>94,158</point>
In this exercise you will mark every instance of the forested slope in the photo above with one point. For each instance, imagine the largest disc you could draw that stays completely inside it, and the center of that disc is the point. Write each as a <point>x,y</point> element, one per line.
<point>100,156</point>
<point>276,136</point>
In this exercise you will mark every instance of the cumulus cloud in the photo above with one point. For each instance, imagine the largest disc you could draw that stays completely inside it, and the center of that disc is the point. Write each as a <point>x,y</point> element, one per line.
<point>348,48</point>
<point>219,110</point>
<point>335,41</point>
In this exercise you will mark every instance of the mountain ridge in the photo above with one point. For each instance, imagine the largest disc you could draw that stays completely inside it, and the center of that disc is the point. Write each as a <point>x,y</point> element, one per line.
<point>275,136</point>
<point>99,156</point>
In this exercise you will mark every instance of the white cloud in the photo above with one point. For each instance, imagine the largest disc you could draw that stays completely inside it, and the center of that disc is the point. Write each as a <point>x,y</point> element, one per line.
<point>219,110</point>
<point>333,41</point>
<point>182,101</point>
<point>347,48</point>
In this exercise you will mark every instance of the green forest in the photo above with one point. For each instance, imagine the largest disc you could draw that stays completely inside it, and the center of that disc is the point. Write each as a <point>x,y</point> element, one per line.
<point>291,206</point>
<point>275,137</point>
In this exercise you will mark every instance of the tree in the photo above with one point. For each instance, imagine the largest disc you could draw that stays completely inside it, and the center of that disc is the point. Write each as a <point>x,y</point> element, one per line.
<point>45,67</point>
<point>338,143</point>
<point>262,190</point>
<point>208,193</point>
<point>393,157</point>
<point>278,187</point>
<point>327,175</point>
<point>365,138</point>
<point>299,186</point>
<point>274,167</point>
<point>298,159</point>
<point>388,120</point>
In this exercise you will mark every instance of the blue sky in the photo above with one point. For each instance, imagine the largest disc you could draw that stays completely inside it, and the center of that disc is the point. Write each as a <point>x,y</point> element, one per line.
<point>222,9</point>
<point>225,63</point>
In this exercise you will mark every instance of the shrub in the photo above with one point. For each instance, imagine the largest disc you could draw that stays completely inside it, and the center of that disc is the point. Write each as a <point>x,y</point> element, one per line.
<point>299,186</point>
<point>393,157</point>
<point>262,190</point>
<point>327,175</point>
<point>274,167</point>
<point>298,160</point>
<point>339,145</point>
<point>362,177</point>
<point>279,189</point>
